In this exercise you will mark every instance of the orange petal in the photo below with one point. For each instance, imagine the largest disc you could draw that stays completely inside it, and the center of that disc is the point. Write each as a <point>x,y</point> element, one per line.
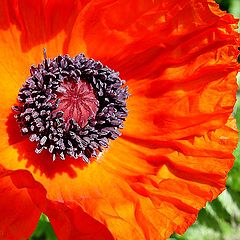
<point>102,26</point>
<point>26,28</point>
<point>153,36</point>
<point>170,184</point>
<point>201,102</point>
<point>189,87</point>
<point>179,58</point>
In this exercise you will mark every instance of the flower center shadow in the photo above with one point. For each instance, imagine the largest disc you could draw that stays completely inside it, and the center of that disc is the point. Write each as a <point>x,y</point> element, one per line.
<point>41,162</point>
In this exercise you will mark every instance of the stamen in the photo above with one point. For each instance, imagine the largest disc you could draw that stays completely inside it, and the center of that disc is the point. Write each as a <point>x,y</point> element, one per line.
<point>44,53</point>
<point>72,106</point>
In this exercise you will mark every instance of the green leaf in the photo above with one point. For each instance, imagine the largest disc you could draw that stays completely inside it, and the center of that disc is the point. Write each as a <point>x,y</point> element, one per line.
<point>44,230</point>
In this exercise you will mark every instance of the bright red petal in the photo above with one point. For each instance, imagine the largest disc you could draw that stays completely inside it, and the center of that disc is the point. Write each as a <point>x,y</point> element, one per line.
<point>21,204</point>
<point>70,222</point>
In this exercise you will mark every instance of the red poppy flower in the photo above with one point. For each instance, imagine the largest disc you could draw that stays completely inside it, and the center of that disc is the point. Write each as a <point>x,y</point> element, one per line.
<point>178,58</point>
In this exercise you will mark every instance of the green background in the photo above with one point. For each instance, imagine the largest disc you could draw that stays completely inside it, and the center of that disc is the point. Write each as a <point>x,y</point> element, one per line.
<point>220,220</point>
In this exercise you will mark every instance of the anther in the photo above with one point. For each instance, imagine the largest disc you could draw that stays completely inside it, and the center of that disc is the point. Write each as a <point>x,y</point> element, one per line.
<point>44,53</point>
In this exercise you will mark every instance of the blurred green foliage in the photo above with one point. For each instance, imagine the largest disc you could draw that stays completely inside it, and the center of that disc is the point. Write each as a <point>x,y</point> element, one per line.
<point>220,220</point>
<point>232,6</point>
<point>224,4</point>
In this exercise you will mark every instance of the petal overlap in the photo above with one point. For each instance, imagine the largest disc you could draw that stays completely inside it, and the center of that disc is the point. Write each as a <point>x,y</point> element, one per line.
<point>21,196</point>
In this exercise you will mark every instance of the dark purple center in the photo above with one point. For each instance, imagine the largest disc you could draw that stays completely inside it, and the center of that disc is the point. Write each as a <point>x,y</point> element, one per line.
<point>72,106</point>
